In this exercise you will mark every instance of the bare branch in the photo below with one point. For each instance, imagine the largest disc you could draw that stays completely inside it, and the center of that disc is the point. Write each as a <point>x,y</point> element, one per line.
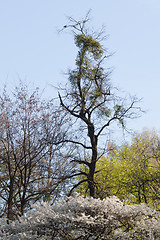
<point>81,162</point>
<point>76,185</point>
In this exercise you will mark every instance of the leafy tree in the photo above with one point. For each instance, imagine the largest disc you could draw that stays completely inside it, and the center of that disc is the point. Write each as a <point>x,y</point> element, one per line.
<point>131,171</point>
<point>30,130</point>
<point>91,101</point>
<point>85,218</point>
<point>140,173</point>
<point>105,178</point>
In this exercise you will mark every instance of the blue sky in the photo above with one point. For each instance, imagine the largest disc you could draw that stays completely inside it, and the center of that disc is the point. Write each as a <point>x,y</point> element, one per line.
<point>31,49</point>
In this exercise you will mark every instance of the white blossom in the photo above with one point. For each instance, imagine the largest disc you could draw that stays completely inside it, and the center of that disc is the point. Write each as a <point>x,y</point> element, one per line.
<point>85,218</point>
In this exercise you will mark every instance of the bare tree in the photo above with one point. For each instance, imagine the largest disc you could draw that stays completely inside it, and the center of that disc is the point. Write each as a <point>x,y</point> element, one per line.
<point>91,101</point>
<point>31,135</point>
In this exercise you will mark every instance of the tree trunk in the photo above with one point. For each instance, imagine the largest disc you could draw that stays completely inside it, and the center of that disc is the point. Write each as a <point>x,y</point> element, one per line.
<point>10,215</point>
<point>23,202</point>
<point>91,183</point>
<point>139,195</point>
<point>93,140</point>
<point>144,194</point>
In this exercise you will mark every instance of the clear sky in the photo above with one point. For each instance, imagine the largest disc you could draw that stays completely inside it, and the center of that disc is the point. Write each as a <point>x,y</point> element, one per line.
<point>31,49</point>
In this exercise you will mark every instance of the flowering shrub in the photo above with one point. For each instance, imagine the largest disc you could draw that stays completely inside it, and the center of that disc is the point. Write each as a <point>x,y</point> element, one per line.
<point>85,218</point>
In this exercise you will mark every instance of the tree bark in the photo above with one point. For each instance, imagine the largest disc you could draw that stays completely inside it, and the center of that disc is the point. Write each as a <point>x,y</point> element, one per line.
<point>93,140</point>
<point>10,201</point>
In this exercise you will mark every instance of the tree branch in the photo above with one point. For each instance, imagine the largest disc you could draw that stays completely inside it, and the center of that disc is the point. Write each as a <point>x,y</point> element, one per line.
<point>69,194</point>
<point>106,125</point>
<point>63,105</point>
<point>71,112</point>
<point>79,143</point>
<point>75,175</point>
<point>81,162</point>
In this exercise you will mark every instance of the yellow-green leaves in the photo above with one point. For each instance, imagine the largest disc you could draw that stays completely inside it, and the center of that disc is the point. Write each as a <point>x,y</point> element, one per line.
<point>131,171</point>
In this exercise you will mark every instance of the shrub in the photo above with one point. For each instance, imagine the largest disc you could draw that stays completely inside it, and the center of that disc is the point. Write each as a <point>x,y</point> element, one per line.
<point>85,218</point>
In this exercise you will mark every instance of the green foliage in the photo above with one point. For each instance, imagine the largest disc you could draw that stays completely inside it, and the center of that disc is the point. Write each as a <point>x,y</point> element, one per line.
<point>131,171</point>
<point>89,82</point>
<point>105,111</point>
<point>87,43</point>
